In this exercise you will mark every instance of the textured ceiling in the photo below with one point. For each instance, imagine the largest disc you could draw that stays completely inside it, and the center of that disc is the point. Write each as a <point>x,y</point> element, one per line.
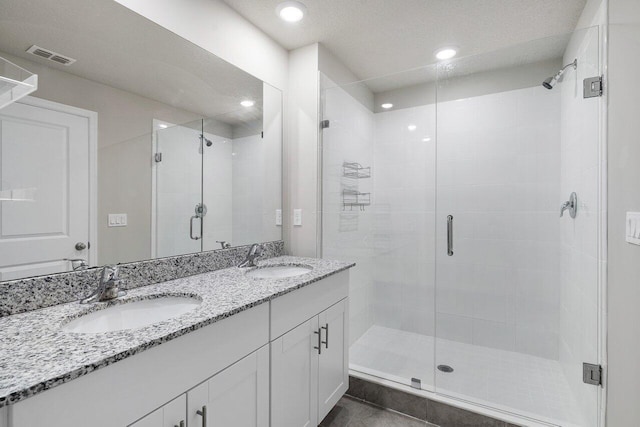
<point>118,47</point>
<point>378,37</point>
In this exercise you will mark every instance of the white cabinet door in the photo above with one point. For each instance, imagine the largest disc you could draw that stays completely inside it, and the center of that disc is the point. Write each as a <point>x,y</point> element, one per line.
<point>333,364</point>
<point>173,414</point>
<point>294,377</point>
<point>236,397</point>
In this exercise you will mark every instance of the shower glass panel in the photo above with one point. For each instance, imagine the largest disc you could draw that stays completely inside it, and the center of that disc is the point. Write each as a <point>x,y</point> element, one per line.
<point>378,209</point>
<point>517,284</point>
<point>178,190</point>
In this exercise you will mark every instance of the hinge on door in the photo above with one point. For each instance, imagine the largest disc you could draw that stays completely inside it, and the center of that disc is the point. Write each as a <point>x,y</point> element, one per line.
<point>592,87</point>
<point>158,157</point>
<point>324,124</point>
<point>591,374</point>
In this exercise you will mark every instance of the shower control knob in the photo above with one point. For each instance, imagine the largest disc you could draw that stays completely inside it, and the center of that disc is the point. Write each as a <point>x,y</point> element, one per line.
<point>80,246</point>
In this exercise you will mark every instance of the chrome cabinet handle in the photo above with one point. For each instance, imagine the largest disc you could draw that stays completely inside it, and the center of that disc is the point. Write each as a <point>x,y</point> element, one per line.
<point>319,347</point>
<point>203,413</point>
<point>181,424</point>
<point>191,228</point>
<point>450,235</point>
<point>326,335</point>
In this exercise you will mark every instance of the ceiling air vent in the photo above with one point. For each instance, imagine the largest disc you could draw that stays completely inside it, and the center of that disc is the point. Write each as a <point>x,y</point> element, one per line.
<point>50,55</point>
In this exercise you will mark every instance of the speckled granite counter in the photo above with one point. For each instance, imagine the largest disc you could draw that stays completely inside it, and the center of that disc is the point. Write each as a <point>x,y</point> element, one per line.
<point>37,355</point>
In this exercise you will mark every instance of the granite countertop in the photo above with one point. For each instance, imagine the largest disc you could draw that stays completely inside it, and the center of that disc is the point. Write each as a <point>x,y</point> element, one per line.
<point>36,354</point>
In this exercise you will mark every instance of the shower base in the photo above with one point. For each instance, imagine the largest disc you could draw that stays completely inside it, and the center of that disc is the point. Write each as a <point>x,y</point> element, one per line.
<point>512,382</point>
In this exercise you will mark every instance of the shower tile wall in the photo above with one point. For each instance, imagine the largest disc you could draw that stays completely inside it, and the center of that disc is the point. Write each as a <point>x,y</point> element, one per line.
<point>404,220</point>
<point>347,233</point>
<point>217,168</point>
<point>499,176</point>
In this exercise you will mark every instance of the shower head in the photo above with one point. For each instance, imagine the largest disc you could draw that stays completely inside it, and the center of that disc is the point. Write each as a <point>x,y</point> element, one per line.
<point>205,139</point>
<point>550,82</point>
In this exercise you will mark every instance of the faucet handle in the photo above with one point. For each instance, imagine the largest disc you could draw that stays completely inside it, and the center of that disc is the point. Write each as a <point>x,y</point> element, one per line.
<point>110,273</point>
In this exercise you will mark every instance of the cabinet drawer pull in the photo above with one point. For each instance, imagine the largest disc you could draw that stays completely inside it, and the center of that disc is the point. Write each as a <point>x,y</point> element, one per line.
<point>326,335</point>
<point>181,424</point>
<point>319,347</point>
<point>203,414</point>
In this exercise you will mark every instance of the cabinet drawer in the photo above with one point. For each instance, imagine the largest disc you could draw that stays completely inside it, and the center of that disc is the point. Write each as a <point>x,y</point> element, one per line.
<point>290,310</point>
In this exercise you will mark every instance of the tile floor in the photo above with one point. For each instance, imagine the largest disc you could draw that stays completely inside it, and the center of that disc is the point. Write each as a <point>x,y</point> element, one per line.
<point>510,381</point>
<point>350,412</point>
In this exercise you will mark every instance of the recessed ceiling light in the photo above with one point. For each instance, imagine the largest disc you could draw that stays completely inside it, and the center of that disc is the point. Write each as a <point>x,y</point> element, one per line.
<point>426,139</point>
<point>247,103</point>
<point>387,105</point>
<point>291,11</point>
<point>446,53</point>
<point>412,127</point>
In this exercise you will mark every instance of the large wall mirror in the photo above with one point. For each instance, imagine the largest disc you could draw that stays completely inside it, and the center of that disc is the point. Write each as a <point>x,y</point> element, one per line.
<point>137,144</point>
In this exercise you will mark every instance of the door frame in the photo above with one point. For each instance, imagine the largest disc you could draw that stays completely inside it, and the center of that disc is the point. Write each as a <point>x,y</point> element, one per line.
<point>92,118</point>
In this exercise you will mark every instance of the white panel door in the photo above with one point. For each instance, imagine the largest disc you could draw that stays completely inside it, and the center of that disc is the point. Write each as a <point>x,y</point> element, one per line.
<point>238,396</point>
<point>333,363</point>
<point>294,377</point>
<point>44,188</point>
<point>173,414</point>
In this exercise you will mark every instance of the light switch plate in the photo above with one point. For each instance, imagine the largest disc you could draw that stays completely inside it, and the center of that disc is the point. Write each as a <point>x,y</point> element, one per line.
<point>633,228</point>
<point>278,216</point>
<point>117,220</point>
<point>297,217</point>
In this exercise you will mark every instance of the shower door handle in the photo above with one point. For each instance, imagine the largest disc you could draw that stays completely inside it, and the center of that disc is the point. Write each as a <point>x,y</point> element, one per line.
<point>191,227</point>
<point>450,235</point>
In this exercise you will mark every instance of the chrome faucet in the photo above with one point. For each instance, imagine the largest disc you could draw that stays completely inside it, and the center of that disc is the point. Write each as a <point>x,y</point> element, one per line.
<point>108,288</point>
<point>254,252</point>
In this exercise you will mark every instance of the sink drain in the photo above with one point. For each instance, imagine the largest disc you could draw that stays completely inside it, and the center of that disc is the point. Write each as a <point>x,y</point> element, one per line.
<point>445,368</point>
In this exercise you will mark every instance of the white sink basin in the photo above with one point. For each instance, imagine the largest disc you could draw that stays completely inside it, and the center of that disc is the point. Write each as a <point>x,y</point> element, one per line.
<point>131,315</point>
<point>278,271</point>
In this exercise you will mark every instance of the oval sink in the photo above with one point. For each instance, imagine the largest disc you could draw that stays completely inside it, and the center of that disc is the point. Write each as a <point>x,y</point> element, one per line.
<point>278,271</point>
<point>131,315</point>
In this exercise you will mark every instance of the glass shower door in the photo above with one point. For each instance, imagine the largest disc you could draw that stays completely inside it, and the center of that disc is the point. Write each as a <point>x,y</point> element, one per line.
<point>517,284</point>
<point>179,211</point>
<point>378,209</point>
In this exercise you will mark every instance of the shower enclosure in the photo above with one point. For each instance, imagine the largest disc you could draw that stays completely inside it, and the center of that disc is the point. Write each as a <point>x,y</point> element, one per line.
<point>469,284</point>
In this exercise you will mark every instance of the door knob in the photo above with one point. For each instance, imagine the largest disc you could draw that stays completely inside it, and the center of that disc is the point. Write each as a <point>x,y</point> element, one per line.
<point>80,246</point>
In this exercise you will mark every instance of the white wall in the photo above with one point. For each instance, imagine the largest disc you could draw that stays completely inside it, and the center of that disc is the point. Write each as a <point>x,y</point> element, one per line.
<point>301,150</point>
<point>404,174</point>
<point>623,382</point>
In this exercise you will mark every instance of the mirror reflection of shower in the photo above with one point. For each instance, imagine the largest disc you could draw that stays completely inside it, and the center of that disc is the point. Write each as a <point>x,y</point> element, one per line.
<point>550,82</point>
<point>206,140</point>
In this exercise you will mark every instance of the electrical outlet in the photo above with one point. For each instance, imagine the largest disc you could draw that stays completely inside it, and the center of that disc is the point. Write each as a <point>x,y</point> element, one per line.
<point>278,216</point>
<point>297,217</point>
<point>633,228</point>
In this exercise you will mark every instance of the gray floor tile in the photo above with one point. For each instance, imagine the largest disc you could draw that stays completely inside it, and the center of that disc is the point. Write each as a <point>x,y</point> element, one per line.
<point>351,412</point>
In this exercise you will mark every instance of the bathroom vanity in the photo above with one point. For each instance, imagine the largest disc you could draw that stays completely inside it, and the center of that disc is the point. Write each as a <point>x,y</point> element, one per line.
<point>254,352</point>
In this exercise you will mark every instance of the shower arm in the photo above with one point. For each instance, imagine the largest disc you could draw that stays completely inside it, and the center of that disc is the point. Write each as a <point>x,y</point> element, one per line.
<point>573,64</point>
